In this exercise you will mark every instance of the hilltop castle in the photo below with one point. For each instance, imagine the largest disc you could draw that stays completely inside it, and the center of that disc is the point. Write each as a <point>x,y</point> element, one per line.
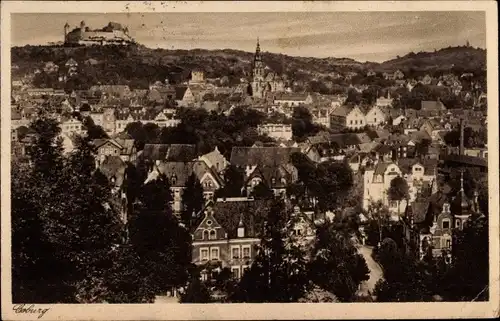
<point>264,82</point>
<point>112,34</point>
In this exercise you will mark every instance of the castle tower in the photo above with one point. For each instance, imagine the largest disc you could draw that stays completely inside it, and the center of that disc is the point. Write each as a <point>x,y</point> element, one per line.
<point>66,31</point>
<point>82,25</point>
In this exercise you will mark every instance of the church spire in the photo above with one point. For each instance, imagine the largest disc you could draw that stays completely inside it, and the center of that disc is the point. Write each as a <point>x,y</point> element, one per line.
<point>463,200</point>
<point>257,51</point>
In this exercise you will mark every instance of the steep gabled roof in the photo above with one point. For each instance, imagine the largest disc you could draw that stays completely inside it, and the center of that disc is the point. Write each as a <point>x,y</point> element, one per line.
<point>181,172</point>
<point>169,152</point>
<point>291,96</point>
<point>419,210</point>
<point>100,142</point>
<point>432,105</point>
<point>253,214</point>
<point>381,167</point>
<point>269,156</point>
<point>180,91</point>
<point>342,111</point>
<point>113,167</point>
<point>268,173</point>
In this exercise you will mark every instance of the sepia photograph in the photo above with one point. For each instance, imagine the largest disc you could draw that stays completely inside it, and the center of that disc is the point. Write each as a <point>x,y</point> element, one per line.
<point>196,159</point>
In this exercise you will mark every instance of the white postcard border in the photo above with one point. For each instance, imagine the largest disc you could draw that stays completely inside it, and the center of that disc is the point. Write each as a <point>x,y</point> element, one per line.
<point>255,311</point>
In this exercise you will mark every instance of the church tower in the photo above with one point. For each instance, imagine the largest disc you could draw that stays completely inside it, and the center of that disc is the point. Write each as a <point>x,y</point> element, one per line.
<point>463,208</point>
<point>258,73</point>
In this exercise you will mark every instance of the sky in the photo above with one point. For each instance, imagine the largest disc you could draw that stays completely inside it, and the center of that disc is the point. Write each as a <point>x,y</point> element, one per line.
<point>364,36</point>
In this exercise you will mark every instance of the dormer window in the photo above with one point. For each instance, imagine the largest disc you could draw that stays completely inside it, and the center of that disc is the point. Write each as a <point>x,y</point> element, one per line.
<point>173,179</point>
<point>212,235</point>
<point>205,235</point>
<point>446,224</point>
<point>273,180</point>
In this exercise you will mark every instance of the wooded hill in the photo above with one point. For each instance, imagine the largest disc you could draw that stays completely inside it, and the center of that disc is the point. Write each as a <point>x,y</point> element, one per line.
<point>138,65</point>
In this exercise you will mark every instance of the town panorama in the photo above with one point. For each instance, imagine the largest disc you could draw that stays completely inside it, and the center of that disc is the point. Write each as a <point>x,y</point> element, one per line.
<point>149,175</point>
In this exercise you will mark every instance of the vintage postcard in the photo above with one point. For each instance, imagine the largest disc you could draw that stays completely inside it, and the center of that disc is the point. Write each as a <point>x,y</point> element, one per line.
<point>249,160</point>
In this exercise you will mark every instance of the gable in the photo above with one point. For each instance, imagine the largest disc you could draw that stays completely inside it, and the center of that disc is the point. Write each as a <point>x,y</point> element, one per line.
<point>209,222</point>
<point>109,143</point>
<point>418,166</point>
<point>375,111</point>
<point>209,228</point>
<point>355,112</point>
<point>161,116</point>
<point>392,168</point>
<point>187,93</point>
<point>207,178</point>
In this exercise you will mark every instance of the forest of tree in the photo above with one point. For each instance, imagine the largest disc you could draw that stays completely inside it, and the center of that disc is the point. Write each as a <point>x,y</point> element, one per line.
<point>137,66</point>
<point>68,242</point>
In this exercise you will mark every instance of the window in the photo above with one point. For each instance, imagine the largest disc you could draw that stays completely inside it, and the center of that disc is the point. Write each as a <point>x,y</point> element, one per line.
<point>361,122</point>
<point>235,252</point>
<point>205,235</point>
<point>446,224</point>
<point>350,122</point>
<point>374,120</point>
<point>457,223</point>
<point>393,204</point>
<point>235,270</point>
<point>212,235</point>
<point>448,243</point>
<point>355,122</point>
<point>209,222</point>
<point>204,254</point>
<point>246,251</point>
<point>214,253</point>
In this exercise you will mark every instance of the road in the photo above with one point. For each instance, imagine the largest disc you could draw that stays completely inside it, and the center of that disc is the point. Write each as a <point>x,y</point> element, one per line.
<point>376,273</point>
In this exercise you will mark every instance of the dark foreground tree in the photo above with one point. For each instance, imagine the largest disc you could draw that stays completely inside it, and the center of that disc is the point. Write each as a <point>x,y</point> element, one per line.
<point>94,131</point>
<point>63,227</point>
<point>279,271</point>
<point>192,199</point>
<point>468,277</point>
<point>336,266</point>
<point>196,292</point>
<point>405,280</point>
<point>398,190</point>
<point>262,192</point>
<point>233,182</point>
<point>162,245</point>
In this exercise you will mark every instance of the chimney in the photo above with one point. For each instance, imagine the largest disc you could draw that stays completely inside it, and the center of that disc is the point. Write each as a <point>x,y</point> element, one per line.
<point>241,227</point>
<point>461,151</point>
